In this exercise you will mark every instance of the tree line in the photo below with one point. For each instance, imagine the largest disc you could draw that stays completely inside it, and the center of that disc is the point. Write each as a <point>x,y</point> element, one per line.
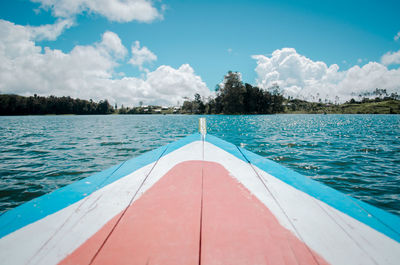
<point>235,97</point>
<point>38,105</point>
<point>231,97</point>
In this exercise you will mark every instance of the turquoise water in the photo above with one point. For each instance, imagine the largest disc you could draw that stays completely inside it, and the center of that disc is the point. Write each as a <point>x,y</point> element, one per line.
<point>356,154</point>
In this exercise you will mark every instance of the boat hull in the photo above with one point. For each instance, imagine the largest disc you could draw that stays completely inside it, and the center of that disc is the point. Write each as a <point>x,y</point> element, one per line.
<point>198,200</point>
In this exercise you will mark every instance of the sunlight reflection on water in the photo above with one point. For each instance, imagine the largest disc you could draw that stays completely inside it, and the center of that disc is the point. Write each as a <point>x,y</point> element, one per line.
<point>356,154</point>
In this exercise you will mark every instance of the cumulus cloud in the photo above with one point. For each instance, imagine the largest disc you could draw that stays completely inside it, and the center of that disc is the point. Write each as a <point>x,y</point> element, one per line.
<point>113,10</point>
<point>113,45</point>
<point>141,56</point>
<point>301,77</point>
<point>164,86</point>
<point>12,35</point>
<point>50,31</point>
<point>391,58</point>
<point>397,36</point>
<point>87,72</point>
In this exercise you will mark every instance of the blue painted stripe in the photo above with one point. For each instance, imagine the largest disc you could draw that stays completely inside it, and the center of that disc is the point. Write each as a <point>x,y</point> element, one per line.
<point>45,205</point>
<point>378,219</point>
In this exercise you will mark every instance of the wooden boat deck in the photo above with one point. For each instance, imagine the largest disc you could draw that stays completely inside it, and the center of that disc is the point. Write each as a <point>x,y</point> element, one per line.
<point>199,200</point>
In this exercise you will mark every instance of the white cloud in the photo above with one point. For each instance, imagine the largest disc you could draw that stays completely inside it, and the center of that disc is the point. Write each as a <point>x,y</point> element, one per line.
<point>15,41</point>
<point>87,72</point>
<point>301,77</point>
<point>141,56</point>
<point>112,44</point>
<point>164,86</point>
<point>391,58</point>
<point>113,10</point>
<point>397,36</point>
<point>18,39</point>
<point>50,31</point>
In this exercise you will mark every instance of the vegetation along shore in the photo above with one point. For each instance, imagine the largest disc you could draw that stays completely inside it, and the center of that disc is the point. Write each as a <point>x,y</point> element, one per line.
<point>233,97</point>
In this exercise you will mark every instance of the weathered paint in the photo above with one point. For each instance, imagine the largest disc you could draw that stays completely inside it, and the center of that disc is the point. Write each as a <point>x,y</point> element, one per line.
<point>332,226</point>
<point>238,229</point>
<point>380,220</point>
<point>57,235</point>
<point>322,227</point>
<point>48,204</point>
<point>163,226</point>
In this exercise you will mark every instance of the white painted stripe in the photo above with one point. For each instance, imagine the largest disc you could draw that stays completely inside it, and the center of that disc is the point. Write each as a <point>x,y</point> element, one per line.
<point>343,240</point>
<point>52,238</point>
<point>68,228</point>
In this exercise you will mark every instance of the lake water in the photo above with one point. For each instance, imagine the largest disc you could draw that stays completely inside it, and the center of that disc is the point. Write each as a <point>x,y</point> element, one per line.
<point>356,154</point>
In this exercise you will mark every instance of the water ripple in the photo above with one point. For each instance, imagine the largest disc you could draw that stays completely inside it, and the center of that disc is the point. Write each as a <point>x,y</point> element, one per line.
<point>356,154</point>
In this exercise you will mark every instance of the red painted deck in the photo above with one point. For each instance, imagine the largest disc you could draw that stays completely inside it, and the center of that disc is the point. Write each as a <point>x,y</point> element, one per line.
<point>195,202</point>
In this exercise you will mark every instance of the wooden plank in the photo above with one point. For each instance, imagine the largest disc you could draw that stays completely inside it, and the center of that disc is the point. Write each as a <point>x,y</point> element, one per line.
<point>55,236</point>
<point>162,227</point>
<point>239,229</point>
<point>302,214</point>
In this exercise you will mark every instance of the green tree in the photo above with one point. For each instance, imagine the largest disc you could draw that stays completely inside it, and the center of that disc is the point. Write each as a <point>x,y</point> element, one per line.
<point>187,106</point>
<point>232,93</point>
<point>198,105</point>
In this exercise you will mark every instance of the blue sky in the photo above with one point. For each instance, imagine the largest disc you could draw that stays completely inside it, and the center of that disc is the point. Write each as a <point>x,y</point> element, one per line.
<point>213,37</point>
